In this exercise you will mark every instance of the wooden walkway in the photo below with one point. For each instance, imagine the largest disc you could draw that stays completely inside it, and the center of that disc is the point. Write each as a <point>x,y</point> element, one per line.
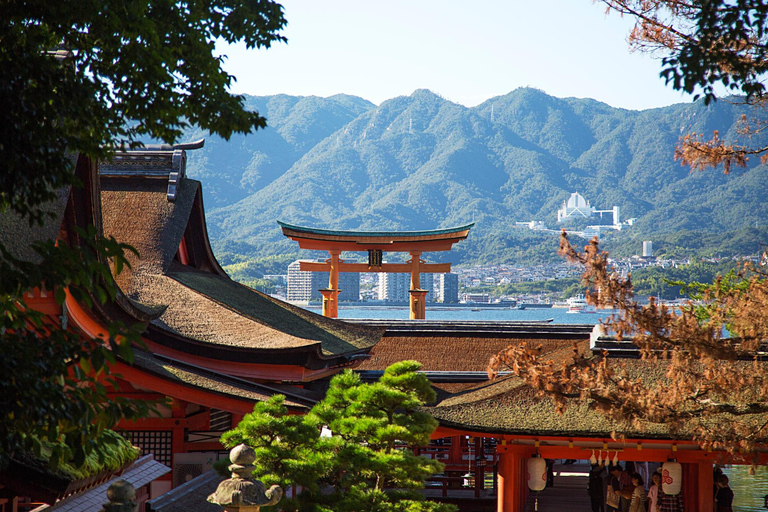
<point>569,493</point>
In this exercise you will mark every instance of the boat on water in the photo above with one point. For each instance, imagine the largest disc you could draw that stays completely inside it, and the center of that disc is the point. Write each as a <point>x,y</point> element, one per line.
<point>578,304</point>
<point>533,305</point>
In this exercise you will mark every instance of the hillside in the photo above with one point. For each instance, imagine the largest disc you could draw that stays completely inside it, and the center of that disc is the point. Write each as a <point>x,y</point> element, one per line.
<point>422,162</point>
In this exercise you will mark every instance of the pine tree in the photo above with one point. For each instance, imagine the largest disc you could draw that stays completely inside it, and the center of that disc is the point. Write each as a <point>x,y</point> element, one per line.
<point>367,463</point>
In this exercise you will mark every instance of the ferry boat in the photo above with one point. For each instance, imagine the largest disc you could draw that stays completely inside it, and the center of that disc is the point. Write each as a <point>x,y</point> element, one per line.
<point>578,304</point>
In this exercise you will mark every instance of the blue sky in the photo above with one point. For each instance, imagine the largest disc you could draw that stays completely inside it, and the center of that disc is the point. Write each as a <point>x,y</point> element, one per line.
<point>466,51</point>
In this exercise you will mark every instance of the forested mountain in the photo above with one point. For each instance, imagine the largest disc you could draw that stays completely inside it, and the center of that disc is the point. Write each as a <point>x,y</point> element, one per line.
<point>422,162</point>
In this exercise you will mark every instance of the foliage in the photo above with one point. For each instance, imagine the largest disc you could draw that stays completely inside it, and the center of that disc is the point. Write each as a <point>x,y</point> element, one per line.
<point>111,453</point>
<point>564,288</point>
<point>125,70</point>
<point>85,78</point>
<point>717,43</point>
<point>53,391</point>
<point>714,389</point>
<point>367,463</point>
<point>679,282</point>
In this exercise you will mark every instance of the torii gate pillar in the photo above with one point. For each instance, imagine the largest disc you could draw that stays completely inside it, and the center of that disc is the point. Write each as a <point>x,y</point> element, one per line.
<point>418,296</point>
<point>331,294</point>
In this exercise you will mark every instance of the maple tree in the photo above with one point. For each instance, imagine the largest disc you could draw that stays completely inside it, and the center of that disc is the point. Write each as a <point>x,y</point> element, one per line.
<point>713,390</point>
<point>707,45</point>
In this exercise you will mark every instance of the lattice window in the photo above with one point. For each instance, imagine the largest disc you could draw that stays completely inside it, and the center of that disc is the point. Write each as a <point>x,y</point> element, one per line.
<point>157,442</point>
<point>220,420</point>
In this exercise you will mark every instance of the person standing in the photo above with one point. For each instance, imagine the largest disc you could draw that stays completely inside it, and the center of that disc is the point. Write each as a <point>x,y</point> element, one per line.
<point>639,498</point>
<point>614,488</point>
<point>653,493</point>
<point>627,488</point>
<point>724,496</point>
<point>670,502</point>
<point>595,487</point>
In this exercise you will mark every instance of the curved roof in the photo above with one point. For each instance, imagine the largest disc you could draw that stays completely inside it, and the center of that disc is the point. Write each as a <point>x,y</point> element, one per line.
<point>201,304</point>
<point>323,239</point>
<point>365,234</point>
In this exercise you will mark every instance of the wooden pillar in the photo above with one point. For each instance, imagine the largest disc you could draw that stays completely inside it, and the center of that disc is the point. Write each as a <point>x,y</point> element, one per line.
<point>331,294</point>
<point>418,296</point>
<point>178,413</point>
<point>690,491</point>
<point>706,487</point>
<point>415,270</point>
<point>509,490</point>
<point>418,309</point>
<point>329,299</point>
<point>479,470</point>
<point>456,451</point>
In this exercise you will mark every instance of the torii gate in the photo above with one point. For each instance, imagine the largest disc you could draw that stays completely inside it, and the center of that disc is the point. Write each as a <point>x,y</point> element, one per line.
<point>375,243</point>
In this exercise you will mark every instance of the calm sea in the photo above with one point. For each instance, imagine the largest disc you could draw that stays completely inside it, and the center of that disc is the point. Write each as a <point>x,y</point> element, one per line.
<point>748,490</point>
<point>557,315</point>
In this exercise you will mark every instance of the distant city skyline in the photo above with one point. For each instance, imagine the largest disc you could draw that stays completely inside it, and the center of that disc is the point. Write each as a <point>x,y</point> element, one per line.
<point>567,48</point>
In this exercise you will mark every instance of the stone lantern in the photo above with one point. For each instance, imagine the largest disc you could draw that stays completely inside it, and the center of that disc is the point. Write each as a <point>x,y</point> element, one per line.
<point>241,493</point>
<point>122,498</point>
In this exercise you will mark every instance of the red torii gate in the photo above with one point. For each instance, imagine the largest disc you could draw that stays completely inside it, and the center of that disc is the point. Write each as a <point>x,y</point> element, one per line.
<point>375,243</point>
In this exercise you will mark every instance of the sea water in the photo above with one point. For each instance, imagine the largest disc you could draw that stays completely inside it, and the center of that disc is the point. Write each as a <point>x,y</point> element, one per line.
<point>556,315</point>
<point>748,490</point>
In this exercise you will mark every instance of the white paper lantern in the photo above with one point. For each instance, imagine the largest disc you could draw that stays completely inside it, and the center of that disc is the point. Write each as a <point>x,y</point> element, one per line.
<point>537,474</point>
<point>671,478</point>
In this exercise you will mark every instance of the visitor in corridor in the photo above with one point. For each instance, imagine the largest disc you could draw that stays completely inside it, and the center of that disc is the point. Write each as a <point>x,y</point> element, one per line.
<point>653,493</point>
<point>595,487</point>
<point>639,498</point>
<point>670,503</point>
<point>550,472</point>
<point>627,487</point>
<point>612,499</point>
<point>724,496</point>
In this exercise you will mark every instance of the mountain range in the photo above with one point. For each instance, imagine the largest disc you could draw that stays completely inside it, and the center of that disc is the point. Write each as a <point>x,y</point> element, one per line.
<point>422,162</point>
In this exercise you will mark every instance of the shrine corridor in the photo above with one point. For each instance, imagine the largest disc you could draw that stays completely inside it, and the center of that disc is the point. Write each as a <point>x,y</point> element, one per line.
<point>569,493</point>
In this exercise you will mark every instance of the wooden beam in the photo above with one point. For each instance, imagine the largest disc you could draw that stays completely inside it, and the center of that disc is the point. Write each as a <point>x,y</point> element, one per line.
<point>401,268</point>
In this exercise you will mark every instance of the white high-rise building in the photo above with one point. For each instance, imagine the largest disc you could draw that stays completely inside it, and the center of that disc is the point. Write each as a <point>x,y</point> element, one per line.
<point>306,286</point>
<point>647,249</point>
<point>446,288</point>
<point>396,287</point>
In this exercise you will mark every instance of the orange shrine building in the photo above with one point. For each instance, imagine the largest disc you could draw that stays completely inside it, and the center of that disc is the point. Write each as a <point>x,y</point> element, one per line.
<point>214,347</point>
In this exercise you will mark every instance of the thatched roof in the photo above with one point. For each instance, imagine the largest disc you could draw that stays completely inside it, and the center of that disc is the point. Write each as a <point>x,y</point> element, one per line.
<point>509,406</point>
<point>18,236</point>
<point>446,352</point>
<point>202,304</point>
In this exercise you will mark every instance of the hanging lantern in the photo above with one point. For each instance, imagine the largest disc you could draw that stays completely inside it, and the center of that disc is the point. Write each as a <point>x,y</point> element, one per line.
<point>671,477</point>
<point>469,477</point>
<point>537,474</point>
